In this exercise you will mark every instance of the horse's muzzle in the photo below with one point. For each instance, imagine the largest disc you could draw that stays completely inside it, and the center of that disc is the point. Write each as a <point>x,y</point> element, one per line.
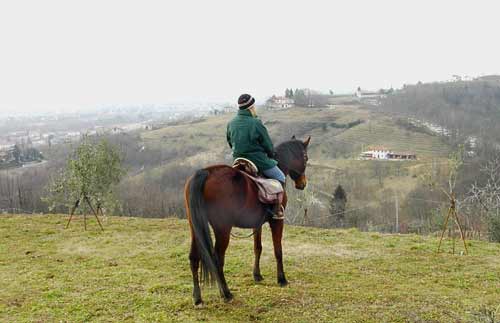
<point>301,183</point>
<point>300,187</point>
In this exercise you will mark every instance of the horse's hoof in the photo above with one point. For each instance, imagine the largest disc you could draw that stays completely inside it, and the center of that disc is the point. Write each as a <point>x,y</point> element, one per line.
<point>228,298</point>
<point>199,304</point>
<point>282,282</point>
<point>258,278</point>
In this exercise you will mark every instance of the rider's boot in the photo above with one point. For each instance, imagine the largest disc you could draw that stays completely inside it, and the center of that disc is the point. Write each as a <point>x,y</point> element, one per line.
<point>278,209</point>
<point>278,213</point>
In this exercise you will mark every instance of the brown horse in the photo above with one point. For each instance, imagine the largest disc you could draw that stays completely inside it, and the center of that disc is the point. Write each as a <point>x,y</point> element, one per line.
<point>225,198</point>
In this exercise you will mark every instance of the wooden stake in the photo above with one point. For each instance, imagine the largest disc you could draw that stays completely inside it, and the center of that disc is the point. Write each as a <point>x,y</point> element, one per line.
<point>452,211</point>
<point>453,236</point>
<point>93,211</point>
<point>73,209</point>
<point>444,228</point>
<point>461,231</point>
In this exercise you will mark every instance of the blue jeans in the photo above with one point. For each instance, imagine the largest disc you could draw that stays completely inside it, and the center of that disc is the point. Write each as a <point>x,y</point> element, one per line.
<point>275,173</point>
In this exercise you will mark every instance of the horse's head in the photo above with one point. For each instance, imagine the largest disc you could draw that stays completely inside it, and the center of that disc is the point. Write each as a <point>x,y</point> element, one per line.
<point>292,160</point>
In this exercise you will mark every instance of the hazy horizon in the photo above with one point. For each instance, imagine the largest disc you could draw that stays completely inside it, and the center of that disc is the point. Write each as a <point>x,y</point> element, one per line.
<point>60,54</point>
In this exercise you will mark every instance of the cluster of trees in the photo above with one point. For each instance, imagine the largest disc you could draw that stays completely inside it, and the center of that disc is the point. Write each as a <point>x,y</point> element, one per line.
<point>310,98</point>
<point>307,97</point>
<point>469,108</point>
<point>18,155</point>
<point>23,192</point>
<point>483,198</point>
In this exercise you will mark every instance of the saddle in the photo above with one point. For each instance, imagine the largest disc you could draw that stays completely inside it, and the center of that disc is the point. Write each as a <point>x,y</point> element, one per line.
<point>270,190</point>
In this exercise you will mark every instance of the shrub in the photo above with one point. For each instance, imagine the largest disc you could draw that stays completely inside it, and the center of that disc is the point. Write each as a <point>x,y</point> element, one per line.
<point>494,228</point>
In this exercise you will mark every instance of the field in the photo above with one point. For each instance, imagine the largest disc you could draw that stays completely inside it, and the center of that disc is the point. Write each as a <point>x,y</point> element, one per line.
<point>138,271</point>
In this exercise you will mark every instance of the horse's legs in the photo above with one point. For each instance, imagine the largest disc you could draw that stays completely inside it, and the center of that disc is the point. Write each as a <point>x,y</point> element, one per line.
<point>194,258</point>
<point>277,231</point>
<point>221,243</point>
<point>257,249</point>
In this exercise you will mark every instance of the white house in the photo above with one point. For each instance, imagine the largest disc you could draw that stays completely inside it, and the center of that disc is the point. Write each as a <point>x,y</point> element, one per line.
<point>385,154</point>
<point>280,102</point>
<point>375,153</point>
<point>369,97</point>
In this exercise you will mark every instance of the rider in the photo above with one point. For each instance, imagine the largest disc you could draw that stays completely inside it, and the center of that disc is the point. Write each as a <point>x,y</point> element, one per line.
<point>249,139</point>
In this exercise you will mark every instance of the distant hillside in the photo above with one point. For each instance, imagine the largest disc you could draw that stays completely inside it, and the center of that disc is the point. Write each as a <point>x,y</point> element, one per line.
<point>466,108</point>
<point>138,271</point>
<point>339,135</point>
<point>490,78</point>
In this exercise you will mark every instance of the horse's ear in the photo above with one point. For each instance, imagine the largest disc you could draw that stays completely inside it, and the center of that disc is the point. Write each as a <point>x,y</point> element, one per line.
<point>293,137</point>
<point>306,143</point>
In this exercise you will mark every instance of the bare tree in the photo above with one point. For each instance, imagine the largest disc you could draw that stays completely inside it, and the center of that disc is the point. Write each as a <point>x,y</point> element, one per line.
<point>486,197</point>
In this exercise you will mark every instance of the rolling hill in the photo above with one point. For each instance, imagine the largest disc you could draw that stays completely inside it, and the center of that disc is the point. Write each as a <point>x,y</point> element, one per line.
<point>339,135</point>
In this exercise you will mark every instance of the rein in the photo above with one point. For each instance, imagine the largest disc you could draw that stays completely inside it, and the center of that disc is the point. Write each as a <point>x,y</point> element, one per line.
<point>253,233</point>
<point>250,235</point>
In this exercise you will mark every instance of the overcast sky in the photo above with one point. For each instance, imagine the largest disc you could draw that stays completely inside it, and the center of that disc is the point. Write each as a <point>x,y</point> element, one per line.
<point>85,53</point>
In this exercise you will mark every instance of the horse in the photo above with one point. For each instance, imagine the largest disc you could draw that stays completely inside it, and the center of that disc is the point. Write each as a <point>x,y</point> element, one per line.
<point>223,197</point>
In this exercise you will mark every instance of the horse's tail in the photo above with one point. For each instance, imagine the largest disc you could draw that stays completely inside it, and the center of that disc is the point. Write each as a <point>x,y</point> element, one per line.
<point>201,230</point>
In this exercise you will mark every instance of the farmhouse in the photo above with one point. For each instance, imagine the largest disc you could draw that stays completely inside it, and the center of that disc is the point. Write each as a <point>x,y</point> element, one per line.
<point>402,156</point>
<point>381,153</point>
<point>280,102</point>
<point>368,97</point>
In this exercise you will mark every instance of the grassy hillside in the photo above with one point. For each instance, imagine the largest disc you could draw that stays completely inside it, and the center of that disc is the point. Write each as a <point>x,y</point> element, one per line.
<point>138,271</point>
<point>376,129</point>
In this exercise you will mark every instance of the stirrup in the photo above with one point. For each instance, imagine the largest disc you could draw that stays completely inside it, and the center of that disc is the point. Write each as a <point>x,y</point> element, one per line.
<point>276,217</point>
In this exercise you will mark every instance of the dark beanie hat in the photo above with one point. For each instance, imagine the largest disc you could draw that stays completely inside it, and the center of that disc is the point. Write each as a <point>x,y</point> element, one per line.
<point>245,101</point>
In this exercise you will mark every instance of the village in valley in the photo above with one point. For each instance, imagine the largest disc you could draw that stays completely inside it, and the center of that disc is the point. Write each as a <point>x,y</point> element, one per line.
<point>24,139</point>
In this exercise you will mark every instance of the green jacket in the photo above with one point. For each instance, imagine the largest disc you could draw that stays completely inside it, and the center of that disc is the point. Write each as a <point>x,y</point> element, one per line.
<point>249,139</point>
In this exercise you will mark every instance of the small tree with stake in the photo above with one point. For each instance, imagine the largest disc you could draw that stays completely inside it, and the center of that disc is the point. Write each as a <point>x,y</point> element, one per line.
<point>455,162</point>
<point>88,180</point>
<point>338,206</point>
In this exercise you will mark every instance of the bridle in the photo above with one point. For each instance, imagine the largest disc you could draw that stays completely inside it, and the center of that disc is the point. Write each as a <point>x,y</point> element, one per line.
<point>295,175</point>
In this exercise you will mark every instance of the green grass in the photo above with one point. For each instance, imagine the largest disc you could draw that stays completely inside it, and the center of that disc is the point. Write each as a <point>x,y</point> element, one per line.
<point>138,271</point>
